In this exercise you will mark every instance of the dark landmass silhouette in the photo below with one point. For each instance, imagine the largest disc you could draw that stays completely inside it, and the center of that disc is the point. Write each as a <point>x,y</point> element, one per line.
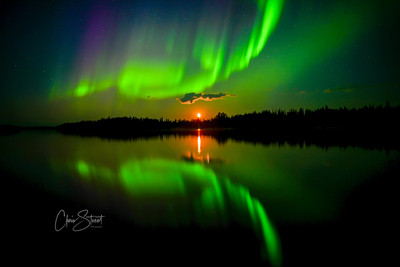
<point>369,127</point>
<point>7,129</point>
<point>369,118</point>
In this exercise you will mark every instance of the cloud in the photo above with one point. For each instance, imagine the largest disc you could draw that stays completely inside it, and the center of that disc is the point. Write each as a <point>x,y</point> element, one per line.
<point>340,89</point>
<point>193,97</point>
<point>301,93</point>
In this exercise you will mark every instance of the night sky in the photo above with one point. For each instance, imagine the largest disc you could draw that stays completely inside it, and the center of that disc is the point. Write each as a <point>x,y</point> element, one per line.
<point>77,60</point>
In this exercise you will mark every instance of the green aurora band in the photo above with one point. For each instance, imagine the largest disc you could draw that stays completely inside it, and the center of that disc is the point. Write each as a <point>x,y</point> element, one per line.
<point>163,179</point>
<point>167,60</point>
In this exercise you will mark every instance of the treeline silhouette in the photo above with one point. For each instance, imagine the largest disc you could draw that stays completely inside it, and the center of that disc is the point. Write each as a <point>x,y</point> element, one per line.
<point>369,118</point>
<point>8,129</point>
<point>370,127</point>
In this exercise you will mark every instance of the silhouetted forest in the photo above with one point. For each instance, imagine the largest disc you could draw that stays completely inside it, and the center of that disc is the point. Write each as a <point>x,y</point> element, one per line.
<point>369,118</point>
<point>8,129</point>
<point>370,127</point>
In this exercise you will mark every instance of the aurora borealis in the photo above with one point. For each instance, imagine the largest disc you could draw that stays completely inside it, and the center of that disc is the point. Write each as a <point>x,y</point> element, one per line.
<point>69,60</point>
<point>163,58</point>
<point>150,56</point>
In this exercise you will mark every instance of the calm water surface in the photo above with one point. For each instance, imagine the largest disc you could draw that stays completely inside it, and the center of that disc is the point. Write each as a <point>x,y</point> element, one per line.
<point>180,182</point>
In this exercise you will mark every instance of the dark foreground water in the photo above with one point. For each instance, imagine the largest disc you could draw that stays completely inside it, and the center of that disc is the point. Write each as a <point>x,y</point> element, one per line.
<point>190,198</point>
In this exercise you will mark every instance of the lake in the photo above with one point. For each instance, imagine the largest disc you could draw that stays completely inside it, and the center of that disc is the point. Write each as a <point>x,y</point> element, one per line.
<point>277,204</point>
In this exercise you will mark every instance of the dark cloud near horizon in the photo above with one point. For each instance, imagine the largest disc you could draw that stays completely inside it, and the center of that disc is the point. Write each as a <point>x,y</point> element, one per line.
<point>193,97</point>
<point>339,89</point>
